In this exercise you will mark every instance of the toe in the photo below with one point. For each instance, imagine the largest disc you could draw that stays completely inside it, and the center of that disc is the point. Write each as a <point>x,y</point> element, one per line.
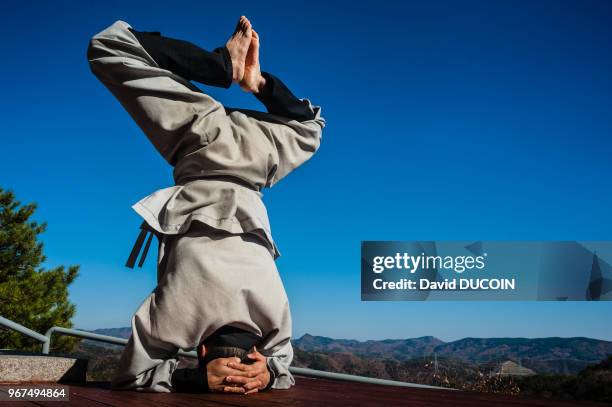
<point>239,25</point>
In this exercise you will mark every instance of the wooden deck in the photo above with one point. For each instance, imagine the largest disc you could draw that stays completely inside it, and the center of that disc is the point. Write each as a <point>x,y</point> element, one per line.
<point>308,392</point>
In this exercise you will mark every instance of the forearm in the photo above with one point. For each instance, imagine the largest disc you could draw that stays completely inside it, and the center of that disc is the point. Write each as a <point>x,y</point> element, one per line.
<point>188,60</point>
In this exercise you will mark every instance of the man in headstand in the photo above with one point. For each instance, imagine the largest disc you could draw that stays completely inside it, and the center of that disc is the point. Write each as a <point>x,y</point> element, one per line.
<point>218,289</point>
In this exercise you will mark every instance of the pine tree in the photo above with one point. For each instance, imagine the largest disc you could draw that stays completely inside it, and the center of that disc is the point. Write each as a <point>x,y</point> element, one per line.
<point>29,294</point>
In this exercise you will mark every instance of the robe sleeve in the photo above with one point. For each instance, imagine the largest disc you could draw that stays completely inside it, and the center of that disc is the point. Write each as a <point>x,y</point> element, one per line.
<point>293,142</point>
<point>177,117</point>
<point>278,364</point>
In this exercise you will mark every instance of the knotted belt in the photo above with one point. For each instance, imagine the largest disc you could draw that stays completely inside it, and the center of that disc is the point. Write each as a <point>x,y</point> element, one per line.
<point>146,233</point>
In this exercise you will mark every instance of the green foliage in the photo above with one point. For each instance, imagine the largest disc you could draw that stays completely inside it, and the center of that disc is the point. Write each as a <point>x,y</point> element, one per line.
<point>102,359</point>
<point>29,294</point>
<point>592,383</point>
<point>493,384</point>
<point>595,382</point>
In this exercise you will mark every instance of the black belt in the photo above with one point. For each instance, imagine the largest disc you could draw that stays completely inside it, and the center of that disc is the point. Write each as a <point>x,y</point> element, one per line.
<point>146,232</point>
<point>218,177</point>
<point>142,236</point>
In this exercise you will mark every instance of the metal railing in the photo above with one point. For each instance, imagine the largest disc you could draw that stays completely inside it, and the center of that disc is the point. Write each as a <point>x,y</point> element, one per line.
<point>95,337</point>
<point>300,371</point>
<point>22,329</point>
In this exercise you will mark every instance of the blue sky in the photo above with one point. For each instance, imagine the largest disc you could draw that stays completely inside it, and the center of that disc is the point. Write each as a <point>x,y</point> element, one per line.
<point>446,120</point>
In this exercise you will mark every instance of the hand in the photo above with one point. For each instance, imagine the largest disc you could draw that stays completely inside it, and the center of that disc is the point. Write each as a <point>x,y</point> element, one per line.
<point>257,374</point>
<point>217,371</point>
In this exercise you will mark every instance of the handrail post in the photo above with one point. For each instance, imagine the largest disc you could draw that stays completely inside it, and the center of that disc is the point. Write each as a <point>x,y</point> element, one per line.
<point>47,344</point>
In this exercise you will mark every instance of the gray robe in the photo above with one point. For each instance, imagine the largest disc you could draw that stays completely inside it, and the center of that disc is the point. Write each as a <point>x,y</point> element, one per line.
<point>219,270</point>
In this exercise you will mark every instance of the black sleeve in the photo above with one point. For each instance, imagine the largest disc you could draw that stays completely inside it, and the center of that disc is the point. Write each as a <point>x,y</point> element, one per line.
<point>215,68</point>
<point>279,100</point>
<point>189,380</point>
<point>188,60</point>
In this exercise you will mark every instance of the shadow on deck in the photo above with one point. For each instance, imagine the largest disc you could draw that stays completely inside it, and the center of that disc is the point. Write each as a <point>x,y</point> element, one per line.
<point>307,392</point>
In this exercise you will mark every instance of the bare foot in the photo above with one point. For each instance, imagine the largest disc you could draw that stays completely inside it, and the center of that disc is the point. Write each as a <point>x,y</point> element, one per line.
<point>252,80</point>
<point>238,47</point>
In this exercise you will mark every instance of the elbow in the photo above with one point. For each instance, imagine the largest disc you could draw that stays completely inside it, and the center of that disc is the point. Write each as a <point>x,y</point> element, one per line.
<point>95,46</point>
<point>108,50</point>
<point>95,58</point>
<point>96,50</point>
<point>91,50</point>
<point>114,40</point>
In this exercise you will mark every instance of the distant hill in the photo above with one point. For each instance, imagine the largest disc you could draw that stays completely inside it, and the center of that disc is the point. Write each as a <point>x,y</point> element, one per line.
<point>482,350</point>
<point>544,355</point>
<point>124,332</point>
<point>398,349</point>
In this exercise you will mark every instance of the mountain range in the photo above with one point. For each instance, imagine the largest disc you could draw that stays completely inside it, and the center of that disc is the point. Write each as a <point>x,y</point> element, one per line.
<point>543,355</point>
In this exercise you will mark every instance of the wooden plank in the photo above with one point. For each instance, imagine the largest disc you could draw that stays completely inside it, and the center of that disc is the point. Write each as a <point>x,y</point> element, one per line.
<point>310,392</point>
<point>426,396</point>
<point>238,400</point>
<point>122,398</point>
<point>75,400</point>
<point>326,393</point>
<point>14,403</point>
<point>142,399</point>
<point>183,400</point>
